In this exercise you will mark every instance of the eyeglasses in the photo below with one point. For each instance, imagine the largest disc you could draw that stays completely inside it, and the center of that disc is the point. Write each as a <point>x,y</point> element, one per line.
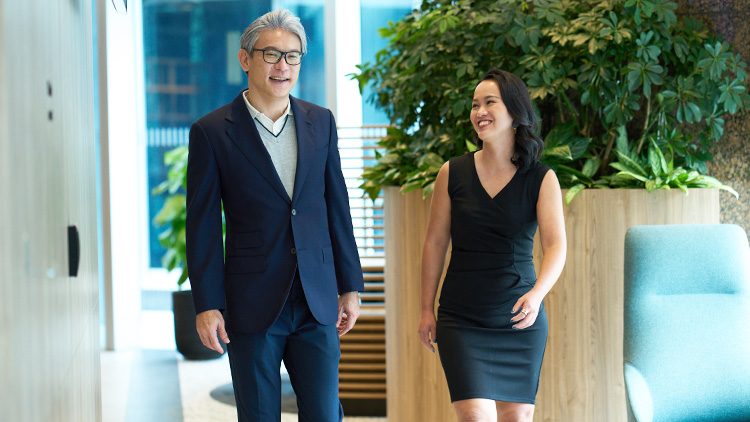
<point>272,56</point>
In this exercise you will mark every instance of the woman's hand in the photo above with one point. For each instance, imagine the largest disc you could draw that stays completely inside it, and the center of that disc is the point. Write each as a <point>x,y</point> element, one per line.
<point>528,309</point>
<point>427,330</point>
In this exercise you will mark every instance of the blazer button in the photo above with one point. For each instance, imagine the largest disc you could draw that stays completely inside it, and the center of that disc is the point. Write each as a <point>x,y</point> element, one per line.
<point>294,251</point>
<point>294,212</point>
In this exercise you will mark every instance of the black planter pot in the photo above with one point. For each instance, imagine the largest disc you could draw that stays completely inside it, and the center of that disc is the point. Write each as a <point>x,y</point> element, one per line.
<point>185,334</point>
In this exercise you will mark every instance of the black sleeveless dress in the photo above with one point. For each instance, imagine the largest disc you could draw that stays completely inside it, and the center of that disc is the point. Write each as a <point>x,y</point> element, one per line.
<point>490,268</point>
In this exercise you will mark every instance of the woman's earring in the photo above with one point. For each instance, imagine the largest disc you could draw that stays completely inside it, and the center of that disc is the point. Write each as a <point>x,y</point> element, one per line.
<point>515,128</point>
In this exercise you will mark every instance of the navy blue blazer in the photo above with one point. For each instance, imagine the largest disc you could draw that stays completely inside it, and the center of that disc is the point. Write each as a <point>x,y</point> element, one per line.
<point>268,235</point>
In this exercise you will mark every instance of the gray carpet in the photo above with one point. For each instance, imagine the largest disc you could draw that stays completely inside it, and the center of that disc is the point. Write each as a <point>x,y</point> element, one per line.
<point>225,394</point>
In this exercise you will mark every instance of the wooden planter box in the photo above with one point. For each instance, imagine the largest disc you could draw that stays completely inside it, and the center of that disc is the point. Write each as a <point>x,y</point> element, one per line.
<point>582,372</point>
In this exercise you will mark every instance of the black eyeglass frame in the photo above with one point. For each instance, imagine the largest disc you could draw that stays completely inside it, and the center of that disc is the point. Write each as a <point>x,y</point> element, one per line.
<point>283,54</point>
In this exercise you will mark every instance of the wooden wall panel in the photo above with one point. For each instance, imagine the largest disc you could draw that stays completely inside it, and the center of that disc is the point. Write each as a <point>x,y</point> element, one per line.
<point>6,272</point>
<point>416,386</point>
<point>49,347</point>
<point>582,372</point>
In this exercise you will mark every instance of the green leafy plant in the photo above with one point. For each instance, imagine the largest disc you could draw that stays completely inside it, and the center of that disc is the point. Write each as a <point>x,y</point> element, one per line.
<point>655,171</point>
<point>402,165</point>
<point>173,213</point>
<point>593,68</point>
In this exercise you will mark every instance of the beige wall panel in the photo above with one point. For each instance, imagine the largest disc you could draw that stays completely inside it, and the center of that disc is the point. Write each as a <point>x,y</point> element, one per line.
<point>416,386</point>
<point>49,349</point>
<point>582,371</point>
<point>6,272</point>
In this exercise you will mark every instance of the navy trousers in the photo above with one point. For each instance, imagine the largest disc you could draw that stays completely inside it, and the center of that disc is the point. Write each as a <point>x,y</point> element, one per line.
<point>310,352</point>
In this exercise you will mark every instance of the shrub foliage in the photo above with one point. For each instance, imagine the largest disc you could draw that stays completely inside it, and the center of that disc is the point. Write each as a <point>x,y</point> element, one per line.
<point>630,94</point>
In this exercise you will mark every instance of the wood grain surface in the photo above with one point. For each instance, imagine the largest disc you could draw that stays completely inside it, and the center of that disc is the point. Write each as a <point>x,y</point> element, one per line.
<point>416,386</point>
<point>582,372</point>
<point>49,321</point>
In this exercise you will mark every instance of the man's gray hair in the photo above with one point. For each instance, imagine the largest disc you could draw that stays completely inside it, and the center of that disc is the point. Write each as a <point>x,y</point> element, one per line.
<point>278,19</point>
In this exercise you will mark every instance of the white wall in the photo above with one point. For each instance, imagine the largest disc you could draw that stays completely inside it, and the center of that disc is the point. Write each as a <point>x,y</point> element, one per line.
<point>49,348</point>
<point>124,158</point>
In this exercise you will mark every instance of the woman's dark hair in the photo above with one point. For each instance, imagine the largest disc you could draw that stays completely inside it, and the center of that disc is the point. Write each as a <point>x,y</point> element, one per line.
<point>517,101</point>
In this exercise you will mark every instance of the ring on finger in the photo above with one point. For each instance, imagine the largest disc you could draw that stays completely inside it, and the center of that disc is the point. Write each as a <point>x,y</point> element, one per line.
<point>525,312</point>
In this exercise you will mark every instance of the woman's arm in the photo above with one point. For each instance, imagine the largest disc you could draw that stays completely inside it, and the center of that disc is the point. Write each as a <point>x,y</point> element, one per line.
<point>549,210</point>
<point>433,255</point>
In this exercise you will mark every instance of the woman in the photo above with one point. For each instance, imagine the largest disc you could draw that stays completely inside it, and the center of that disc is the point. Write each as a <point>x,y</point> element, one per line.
<point>491,325</point>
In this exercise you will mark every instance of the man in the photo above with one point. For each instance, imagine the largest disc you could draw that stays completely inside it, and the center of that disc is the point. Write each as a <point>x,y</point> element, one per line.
<point>288,275</point>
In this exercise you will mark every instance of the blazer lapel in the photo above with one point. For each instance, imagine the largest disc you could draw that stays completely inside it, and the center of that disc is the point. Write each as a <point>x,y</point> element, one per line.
<point>244,134</point>
<point>305,144</point>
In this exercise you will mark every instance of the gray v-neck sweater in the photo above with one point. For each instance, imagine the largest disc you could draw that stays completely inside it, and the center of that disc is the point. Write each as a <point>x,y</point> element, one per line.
<point>283,151</point>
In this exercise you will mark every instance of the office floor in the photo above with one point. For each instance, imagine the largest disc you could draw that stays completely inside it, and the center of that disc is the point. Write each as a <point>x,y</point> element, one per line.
<point>154,383</point>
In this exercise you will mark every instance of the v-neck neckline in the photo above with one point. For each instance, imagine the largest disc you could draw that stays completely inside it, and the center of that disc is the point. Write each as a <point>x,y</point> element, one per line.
<point>286,119</point>
<point>476,176</point>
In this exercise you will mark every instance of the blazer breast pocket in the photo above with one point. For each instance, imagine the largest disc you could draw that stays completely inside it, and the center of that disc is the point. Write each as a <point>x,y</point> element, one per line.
<point>245,264</point>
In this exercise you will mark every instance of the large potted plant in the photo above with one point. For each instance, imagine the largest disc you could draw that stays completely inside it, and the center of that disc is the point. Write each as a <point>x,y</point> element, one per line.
<point>631,97</point>
<point>172,216</point>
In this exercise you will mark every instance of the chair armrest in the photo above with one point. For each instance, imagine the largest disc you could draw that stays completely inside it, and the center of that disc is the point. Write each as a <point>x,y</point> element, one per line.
<point>638,396</point>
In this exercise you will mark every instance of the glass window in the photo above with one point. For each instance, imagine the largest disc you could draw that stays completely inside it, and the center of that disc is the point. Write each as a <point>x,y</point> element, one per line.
<point>375,15</point>
<point>311,84</point>
<point>190,64</point>
<point>366,214</point>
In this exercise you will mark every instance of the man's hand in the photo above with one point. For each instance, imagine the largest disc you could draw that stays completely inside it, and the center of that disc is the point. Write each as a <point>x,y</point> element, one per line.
<point>348,312</point>
<point>207,323</point>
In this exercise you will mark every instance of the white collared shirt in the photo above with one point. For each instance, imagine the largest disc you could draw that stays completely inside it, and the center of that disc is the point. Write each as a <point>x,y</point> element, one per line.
<point>273,127</point>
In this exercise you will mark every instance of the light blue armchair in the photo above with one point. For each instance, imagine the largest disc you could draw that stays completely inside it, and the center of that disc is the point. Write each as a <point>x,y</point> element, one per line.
<point>687,323</point>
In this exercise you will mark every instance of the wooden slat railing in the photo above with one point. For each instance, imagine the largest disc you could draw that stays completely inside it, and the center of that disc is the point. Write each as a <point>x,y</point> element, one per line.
<point>362,365</point>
